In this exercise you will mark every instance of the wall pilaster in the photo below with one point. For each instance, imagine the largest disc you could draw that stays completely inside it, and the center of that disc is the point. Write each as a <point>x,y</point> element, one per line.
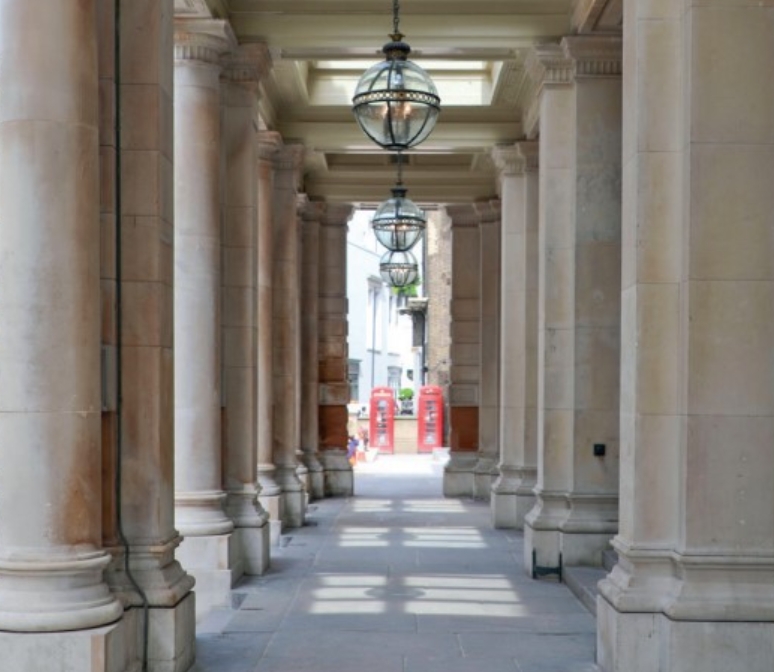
<point>286,343</point>
<point>489,343</point>
<point>333,350</point>
<point>693,585</point>
<point>465,352</point>
<point>512,492</point>
<point>243,70</point>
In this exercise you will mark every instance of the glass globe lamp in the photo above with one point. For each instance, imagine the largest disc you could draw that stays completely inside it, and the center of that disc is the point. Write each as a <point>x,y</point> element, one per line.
<point>399,269</point>
<point>398,223</point>
<point>395,102</point>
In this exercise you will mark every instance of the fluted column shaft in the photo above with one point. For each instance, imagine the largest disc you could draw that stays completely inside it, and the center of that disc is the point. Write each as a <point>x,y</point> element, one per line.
<point>286,337</point>
<point>51,561</point>
<point>512,495</point>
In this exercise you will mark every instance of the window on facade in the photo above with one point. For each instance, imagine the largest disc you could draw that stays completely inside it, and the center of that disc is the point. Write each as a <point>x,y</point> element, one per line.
<point>353,375</point>
<point>393,378</point>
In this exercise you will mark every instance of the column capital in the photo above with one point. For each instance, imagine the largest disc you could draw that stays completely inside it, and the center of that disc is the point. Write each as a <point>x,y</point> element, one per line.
<point>530,152</point>
<point>508,160</point>
<point>463,215</point>
<point>488,211</point>
<point>247,65</point>
<point>310,210</point>
<point>337,214</point>
<point>289,157</point>
<point>546,66</point>
<point>269,143</point>
<point>594,55</point>
<point>203,40</point>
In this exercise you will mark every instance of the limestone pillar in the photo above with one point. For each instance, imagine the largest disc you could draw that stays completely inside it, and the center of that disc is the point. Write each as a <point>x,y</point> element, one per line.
<point>465,352</point>
<point>286,336</point>
<point>269,490</point>
<point>489,343</point>
<point>142,412</point>
<point>310,287</point>
<point>199,495</point>
<point>51,557</point>
<point>693,587</point>
<point>512,492</point>
<point>576,510</point>
<point>243,71</point>
<point>333,351</point>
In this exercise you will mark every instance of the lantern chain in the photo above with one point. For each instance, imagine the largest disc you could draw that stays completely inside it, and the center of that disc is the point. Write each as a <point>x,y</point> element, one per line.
<point>400,169</point>
<point>395,17</point>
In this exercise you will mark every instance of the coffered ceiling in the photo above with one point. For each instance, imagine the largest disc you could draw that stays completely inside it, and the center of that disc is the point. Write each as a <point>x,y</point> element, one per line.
<point>473,49</point>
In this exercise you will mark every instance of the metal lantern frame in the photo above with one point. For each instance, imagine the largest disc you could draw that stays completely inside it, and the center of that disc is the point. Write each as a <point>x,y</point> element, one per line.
<point>396,116</point>
<point>398,223</point>
<point>399,269</point>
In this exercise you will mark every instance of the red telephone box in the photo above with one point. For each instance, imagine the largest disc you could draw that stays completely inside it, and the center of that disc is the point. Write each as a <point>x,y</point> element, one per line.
<point>430,418</point>
<point>382,420</point>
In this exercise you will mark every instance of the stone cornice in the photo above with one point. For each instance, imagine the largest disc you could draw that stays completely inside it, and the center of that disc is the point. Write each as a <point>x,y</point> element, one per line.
<point>248,64</point>
<point>204,40</point>
<point>594,55</point>
<point>269,143</point>
<point>546,66</point>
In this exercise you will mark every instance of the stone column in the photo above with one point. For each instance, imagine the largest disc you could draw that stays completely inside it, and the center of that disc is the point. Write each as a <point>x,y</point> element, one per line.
<point>693,587</point>
<point>269,492</point>
<point>489,342</point>
<point>310,287</point>
<point>465,352</point>
<point>145,416</point>
<point>576,510</point>
<point>286,337</point>
<point>243,71</point>
<point>333,352</point>
<point>199,496</point>
<point>51,557</point>
<point>512,492</point>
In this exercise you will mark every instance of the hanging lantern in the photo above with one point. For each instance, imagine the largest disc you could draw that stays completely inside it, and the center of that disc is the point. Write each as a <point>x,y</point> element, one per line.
<point>399,269</point>
<point>395,101</point>
<point>398,223</point>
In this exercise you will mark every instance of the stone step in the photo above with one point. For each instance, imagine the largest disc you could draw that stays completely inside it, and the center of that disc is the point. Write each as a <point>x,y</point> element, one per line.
<point>582,581</point>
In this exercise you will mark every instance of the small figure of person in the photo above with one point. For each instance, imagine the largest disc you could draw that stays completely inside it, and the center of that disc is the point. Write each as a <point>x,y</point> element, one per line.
<point>352,449</point>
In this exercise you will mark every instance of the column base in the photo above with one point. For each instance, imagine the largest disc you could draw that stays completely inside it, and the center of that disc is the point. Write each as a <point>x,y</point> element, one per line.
<point>315,486</point>
<point>459,474</point>
<point>339,479</point>
<point>513,497</point>
<point>293,508</point>
<point>254,544</point>
<point>589,528</point>
<point>172,644</point>
<point>272,505</point>
<point>541,529</point>
<point>652,642</point>
<point>210,559</point>
<point>484,476</point>
<point>112,648</point>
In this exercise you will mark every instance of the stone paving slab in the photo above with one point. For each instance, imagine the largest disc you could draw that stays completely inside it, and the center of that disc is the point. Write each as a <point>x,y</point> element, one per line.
<point>398,579</point>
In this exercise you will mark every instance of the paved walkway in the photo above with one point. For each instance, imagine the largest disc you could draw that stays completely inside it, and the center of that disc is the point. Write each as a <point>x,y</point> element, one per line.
<point>398,579</point>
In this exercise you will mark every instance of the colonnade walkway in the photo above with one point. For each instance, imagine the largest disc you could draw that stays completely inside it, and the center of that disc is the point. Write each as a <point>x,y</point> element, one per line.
<point>398,579</point>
